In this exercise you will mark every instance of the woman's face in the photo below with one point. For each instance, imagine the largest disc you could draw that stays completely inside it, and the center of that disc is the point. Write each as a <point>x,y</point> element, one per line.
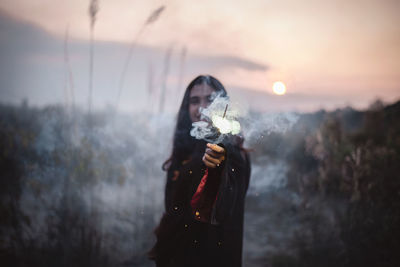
<point>200,97</point>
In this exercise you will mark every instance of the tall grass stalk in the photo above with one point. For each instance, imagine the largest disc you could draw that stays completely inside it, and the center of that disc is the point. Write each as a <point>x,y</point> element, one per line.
<point>93,9</point>
<point>167,60</point>
<point>69,79</point>
<point>150,83</point>
<point>154,15</point>
<point>181,69</point>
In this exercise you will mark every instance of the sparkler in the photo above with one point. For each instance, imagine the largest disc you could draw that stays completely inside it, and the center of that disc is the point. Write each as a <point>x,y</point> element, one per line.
<point>226,108</point>
<point>225,125</point>
<point>217,121</point>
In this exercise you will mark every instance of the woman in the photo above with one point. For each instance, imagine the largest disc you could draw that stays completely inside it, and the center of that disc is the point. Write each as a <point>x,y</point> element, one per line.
<point>205,191</point>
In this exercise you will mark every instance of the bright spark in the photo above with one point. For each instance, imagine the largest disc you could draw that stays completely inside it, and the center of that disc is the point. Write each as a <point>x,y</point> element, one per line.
<point>226,126</point>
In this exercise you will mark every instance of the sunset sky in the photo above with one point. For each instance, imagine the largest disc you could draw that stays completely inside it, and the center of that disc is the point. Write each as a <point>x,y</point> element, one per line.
<point>328,53</point>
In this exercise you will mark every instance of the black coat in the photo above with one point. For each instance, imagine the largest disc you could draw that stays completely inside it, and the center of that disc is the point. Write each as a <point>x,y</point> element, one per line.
<point>184,241</point>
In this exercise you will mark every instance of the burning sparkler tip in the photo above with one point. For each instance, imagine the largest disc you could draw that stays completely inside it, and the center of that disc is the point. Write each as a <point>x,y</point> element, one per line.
<point>226,108</point>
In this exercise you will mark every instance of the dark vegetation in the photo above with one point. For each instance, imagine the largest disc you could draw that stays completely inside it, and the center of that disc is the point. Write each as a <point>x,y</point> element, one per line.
<point>79,191</point>
<point>340,205</point>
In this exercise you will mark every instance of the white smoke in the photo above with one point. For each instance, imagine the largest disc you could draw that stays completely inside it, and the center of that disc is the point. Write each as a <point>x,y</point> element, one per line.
<point>224,114</point>
<point>218,120</point>
<point>256,126</point>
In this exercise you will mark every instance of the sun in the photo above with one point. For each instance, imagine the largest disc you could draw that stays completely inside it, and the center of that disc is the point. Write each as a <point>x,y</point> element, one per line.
<point>279,88</point>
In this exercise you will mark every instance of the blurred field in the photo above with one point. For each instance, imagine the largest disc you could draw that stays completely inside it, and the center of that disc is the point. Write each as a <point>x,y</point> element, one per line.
<point>87,190</point>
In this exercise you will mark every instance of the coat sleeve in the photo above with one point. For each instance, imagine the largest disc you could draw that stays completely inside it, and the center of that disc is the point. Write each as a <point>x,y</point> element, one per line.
<point>203,200</point>
<point>233,184</point>
<point>222,189</point>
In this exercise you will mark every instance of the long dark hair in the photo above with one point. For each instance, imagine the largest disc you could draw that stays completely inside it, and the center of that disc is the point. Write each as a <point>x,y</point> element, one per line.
<point>183,143</point>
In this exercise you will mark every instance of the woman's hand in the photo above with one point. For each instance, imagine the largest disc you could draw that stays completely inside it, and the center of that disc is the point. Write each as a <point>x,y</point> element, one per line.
<point>214,155</point>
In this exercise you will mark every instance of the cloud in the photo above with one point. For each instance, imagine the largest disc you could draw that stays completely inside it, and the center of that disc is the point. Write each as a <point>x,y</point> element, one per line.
<point>33,67</point>
<point>216,62</point>
<point>265,101</point>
